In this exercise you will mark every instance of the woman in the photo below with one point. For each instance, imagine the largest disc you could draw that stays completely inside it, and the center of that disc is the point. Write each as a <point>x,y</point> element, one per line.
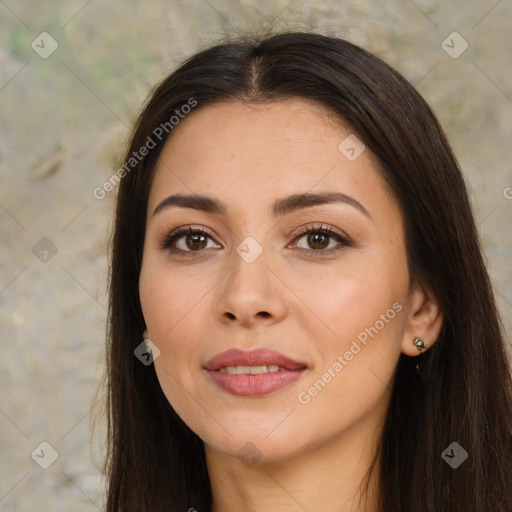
<point>294,242</point>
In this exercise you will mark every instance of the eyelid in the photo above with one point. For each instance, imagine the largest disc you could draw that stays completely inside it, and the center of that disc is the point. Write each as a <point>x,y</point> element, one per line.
<point>321,227</point>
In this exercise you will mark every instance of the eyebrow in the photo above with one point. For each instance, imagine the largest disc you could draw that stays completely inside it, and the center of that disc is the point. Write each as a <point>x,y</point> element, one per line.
<point>279,208</point>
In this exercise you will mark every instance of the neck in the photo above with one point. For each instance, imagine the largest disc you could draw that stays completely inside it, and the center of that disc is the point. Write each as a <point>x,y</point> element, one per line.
<point>329,477</point>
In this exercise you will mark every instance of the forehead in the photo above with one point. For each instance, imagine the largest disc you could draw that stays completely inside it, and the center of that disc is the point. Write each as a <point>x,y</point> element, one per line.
<point>253,152</point>
<point>280,125</point>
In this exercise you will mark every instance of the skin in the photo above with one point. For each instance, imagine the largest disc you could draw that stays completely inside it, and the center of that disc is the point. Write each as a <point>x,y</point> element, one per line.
<point>310,456</point>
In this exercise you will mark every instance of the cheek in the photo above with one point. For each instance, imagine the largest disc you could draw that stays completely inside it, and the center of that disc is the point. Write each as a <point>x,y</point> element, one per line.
<point>167,300</point>
<point>366,326</point>
<point>173,308</point>
<point>352,382</point>
<point>343,303</point>
<point>165,306</point>
<point>364,311</point>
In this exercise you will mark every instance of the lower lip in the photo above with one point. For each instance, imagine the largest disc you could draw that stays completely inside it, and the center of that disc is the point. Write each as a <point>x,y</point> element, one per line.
<point>255,385</point>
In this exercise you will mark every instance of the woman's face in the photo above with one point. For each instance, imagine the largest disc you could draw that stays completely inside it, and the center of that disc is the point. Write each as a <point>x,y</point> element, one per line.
<point>266,276</point>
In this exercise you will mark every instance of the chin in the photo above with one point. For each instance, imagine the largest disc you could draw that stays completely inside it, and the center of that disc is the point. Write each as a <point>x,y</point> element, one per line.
<point>256,451</point>
<point>255,444</point>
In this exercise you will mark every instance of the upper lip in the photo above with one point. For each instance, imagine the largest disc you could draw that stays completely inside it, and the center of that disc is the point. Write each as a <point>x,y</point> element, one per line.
<point>258,357</point>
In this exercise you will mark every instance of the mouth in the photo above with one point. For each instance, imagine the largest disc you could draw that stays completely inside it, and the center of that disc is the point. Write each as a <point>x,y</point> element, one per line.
<point>251,370</point>
<point>261,360</point>
<point>255,373</point>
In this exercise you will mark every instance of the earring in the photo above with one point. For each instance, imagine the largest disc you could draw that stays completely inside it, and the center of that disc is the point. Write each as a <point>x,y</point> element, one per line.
<point>147,341</point>
<point>420,344</point>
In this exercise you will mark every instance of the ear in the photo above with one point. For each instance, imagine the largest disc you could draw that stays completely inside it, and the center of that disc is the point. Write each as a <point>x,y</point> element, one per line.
<point>424,320</point>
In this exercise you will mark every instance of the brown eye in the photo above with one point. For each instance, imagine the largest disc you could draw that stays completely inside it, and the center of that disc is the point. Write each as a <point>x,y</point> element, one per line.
<point>195,241</point>
<point>186,240</point>
<point>317,240</point>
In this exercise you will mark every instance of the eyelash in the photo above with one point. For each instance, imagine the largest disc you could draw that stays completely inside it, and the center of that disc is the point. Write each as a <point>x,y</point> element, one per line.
<point>172,237</point>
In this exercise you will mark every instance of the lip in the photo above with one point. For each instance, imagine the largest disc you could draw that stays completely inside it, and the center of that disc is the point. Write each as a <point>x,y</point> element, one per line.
<point>254,385</point>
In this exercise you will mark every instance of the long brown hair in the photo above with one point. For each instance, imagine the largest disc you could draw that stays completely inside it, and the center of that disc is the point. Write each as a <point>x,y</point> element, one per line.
<point>462,389</point>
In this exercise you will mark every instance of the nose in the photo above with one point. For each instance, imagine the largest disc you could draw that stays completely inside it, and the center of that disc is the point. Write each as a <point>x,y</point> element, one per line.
<point>251,293</point>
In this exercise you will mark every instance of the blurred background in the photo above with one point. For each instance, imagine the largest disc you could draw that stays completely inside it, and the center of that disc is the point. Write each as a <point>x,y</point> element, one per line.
<point>72,76</point>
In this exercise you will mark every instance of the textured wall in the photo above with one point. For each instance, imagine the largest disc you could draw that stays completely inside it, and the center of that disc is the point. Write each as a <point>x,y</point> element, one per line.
<point>64,116</point>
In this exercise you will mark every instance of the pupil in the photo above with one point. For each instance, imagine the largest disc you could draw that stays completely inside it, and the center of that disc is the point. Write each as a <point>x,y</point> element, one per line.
<point>194,243</point>
<point>317,239</point>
